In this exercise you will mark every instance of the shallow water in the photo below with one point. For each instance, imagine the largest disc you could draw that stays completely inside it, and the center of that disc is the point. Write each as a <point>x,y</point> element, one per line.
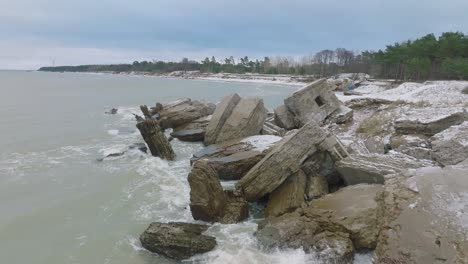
<point>60,205</point>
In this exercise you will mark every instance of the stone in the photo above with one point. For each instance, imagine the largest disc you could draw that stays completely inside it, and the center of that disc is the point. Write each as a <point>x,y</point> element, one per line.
<point>282,161</point>
<point>298,230</point>
<point>323,164</point>
<point>465,90</point>
<point>245,120</point>
<point>342,115</point>
<point>284,118</point>
<point>182,112</point>
<point>418,146</point>
<point>317,186</point>
<point>359,103</point>
<point>177,240</point>
<point>140,146</point>
<point>155,139</point>
<point>193,131</point>
<point>372,168</point>
<point>233,159</point>
<point>288,196</point>
<point>209,202</point>
<point>450,146</point>
<point>207,198</point>
<point>424,218</point>
<point>351,92</point>
<point>313,102</point>
<point>220,115</point>
<point>429,121</point>
<point>113,111</point>
<point>269,128</point>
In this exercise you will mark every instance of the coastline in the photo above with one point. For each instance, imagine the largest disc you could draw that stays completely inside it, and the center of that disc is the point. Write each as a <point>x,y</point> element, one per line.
<point>277,79</point>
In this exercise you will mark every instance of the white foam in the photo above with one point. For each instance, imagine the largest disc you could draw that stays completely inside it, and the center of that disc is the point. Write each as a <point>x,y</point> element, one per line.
<point>113,132</point>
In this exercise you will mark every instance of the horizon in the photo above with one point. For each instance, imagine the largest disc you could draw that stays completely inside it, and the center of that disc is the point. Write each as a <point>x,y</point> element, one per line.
<point>117,32</point>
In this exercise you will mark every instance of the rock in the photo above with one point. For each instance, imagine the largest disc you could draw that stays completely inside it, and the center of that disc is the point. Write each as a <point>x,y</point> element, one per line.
<point>284,118</point>
<point>450,146</point>
<point>430,121</point>
<point>284,160</point>
<point>298,230</point>
<point>321,163</point>
<point>155,139</point>
<point>373,168</point>
<point>313,102</point>
<point>192,132</point>
<point>347,219</point>
<point>221,114</point>
<point>418,146</point>
<point>317,186</point>
<point>117,154</point>
<point>113,111</point>
<point>182,112</point>
<point>245,120</point>
<point>208,201</point>
<point>177,240</point>
<point>465,90</point>
<point>342,115</point>
<point>269,128</point>
<point>359,103</point>
<point>351,92</point>
<point>207,198</point>
<point>234,158</point>
<point>357,208</point>
<point>424,218</point>
<point>288,196</point>
<point>141,146</point>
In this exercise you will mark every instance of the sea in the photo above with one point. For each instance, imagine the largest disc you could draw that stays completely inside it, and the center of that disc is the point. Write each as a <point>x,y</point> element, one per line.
<point>60,205</point>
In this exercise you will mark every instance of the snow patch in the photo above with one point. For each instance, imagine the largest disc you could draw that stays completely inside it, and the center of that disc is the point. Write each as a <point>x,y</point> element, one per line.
<point>261,142</point>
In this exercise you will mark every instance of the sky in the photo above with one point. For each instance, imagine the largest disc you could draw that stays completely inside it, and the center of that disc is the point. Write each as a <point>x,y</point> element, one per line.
<point>35,33</point>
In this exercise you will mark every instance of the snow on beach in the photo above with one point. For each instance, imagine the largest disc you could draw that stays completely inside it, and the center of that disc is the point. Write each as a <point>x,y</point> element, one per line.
<point>436,93</point>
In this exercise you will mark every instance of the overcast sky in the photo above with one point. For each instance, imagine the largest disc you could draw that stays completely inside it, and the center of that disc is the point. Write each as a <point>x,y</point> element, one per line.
<point>35,32</point>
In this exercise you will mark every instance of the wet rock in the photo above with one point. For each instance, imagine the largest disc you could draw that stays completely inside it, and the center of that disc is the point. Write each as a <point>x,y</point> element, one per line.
<point>246,119</point>
<point>288,196</point>
<point>117,154</point>
<point>284,160</point>
<point>429,121</point>
<point>373,168</point>
<point>141,146</point>
<point>113,111</point>
<point>193,131</point>
<point>234,158</point>
<point>450,146</point>
<point>424,219</point>
<point>465,90</point>
<point>298,230</point>
<point>182,112</point>
<point>155,139</point>
<point>221,114</point>
<point>207,198</point>
<point>284,118</point>
<point>209,202</point>
<point>177,240</point>
<point>313,102</point>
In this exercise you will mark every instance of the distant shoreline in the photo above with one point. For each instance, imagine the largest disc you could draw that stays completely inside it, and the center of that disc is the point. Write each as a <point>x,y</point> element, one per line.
<point>223,77</point>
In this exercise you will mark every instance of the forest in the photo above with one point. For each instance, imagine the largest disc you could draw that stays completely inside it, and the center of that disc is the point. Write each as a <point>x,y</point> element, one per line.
<point>426,58</point>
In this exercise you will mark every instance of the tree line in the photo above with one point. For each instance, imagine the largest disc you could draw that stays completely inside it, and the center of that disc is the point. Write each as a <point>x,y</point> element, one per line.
<point>428,57</point>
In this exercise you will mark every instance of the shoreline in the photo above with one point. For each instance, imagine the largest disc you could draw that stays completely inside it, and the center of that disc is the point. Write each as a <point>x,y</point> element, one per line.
<point>276,79</point>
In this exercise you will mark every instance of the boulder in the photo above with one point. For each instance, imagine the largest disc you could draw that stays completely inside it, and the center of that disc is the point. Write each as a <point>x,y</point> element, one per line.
<point>342,115</point>
<point>221,114</point>
<point>209,202</point>
<point>299,230</point>
<point>282,161</point>
<point>207,198</point>
<point>465,90</point>
<point>317,186</point>
<point>430,121</point>
<point>284,118</point>
<point>373,168</point>
<point>344,221</point>
<point>288,196</point>
<point>450,146</point>
<point>245,120</point>
<point>321,163</point>
<point>177,240</point>
<point>234,158</point>
<point>418,146</point>
<point>270,128</point>
<point>359,103</point>
<point>182,112</point>
<point>113,111</point>
<point>313,102</point>
<point>424,219</point>
<point>193,131</point>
